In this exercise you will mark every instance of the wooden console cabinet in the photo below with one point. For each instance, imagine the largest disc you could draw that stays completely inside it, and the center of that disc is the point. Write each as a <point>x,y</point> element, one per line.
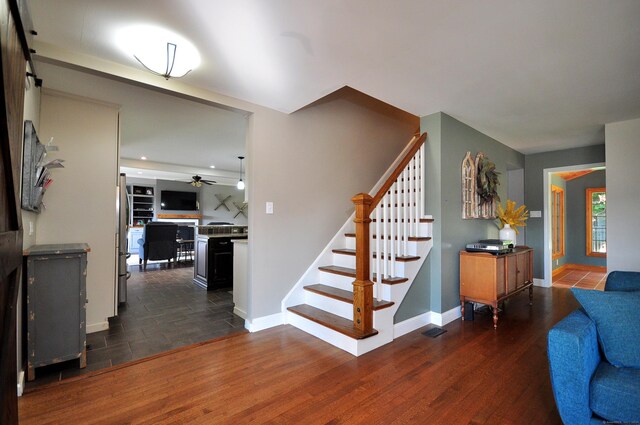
<point>489,279</point>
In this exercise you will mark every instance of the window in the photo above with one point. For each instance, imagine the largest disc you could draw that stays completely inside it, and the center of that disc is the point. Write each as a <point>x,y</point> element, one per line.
<point>557,231</point>
<point>596,221</point>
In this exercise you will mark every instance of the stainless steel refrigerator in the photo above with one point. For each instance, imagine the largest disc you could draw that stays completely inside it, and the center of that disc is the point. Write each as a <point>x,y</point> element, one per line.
<point>123,254</point>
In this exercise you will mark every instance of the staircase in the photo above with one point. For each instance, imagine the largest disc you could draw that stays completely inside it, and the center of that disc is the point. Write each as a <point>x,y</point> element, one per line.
<point>350,294</point>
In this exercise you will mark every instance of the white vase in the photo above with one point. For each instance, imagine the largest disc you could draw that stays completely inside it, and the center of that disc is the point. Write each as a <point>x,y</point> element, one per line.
<point>508,234</point>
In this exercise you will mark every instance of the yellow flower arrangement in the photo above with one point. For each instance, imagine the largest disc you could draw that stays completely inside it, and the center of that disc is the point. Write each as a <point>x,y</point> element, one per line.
<point>515,217</point>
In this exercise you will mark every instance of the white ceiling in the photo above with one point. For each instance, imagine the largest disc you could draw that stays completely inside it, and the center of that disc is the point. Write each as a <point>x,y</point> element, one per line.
<point>537,75</point>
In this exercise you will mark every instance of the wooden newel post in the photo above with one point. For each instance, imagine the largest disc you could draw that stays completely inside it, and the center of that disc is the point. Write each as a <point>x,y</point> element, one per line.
<point>362,286</point>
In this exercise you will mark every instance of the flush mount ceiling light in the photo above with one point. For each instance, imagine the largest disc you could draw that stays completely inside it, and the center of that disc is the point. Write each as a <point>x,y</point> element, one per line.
<point>159,51</point>
<point>240,182</point>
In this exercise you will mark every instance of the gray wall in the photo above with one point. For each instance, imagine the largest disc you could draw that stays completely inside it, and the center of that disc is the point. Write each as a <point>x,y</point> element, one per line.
<point>208,203</point>
<point>556,180</point>
<point>534,190</point>
<point>449,140</point>
<point>623,196</point>
<point>576,233</point>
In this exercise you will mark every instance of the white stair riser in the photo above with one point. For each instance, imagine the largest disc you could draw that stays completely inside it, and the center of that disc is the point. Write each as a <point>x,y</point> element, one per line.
<point>337,307</point>
<point>337,281</point>
<point>343,260</point>
<point>424,229</point>
<point>337,339</point>
<point>412,246</point>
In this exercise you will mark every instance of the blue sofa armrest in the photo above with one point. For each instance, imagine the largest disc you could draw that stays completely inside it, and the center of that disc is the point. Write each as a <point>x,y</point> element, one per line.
<point>573,358</point>
<point>623,281</point>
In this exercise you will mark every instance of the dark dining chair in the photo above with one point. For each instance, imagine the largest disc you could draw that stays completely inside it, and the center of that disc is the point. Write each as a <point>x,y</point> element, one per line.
<point>158,242</point>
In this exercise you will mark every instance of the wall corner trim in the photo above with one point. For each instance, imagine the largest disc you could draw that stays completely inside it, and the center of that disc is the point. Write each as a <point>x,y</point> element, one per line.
<point>441,319</point>
<point>410,325</point>
<point>97,327</point>
<point>21,383</point>
<point>541,283</point>
<point>264,322</point>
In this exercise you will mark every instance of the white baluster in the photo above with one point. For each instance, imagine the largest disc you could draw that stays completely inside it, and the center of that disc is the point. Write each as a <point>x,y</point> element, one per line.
<point>398,223</point>
<point>392,231</point>
<point>377,260</point>
<point>385,249</point>
<point>422,180</point>
<point>405,217</point>
<point>416,160</point>
<point>411,197</point>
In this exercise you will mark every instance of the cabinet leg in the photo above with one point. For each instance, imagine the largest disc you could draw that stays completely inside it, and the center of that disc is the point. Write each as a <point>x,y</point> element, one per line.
<point>31,372</point>
<point>531,295</point>
<point>83,358</point>
<point>495,316</point>
<point>462,309</point>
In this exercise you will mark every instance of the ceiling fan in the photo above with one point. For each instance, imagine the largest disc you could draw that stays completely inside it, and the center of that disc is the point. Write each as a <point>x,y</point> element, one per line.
<point>196,181</point>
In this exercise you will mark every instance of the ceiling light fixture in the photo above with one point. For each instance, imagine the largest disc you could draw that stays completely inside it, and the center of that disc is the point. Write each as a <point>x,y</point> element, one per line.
<point>170,64</point>
<point>144,158</point>
<point>240,182</point>
<point>212,166</point>
<point>160,51</point>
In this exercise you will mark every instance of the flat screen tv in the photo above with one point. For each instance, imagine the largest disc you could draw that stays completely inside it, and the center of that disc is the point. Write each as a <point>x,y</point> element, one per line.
<point>178,201</point>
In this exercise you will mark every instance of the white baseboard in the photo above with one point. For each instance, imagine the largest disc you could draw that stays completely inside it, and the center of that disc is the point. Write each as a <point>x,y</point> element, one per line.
<point>21,383</point>
<point>264,322</point>
<point>97,327</point>
<point>239,312</point>
<point>541,283</point>
<point>441,319</point>
<point>410,325</point>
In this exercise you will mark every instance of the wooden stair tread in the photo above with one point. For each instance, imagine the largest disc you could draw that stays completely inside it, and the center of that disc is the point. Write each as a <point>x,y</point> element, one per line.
<point>342,295</point>
<point>344,251</point>
<point>345,271</point>
<point>331,321</point>
<point>410,238</point>
<point>422,220</point>
<point>352,252</point>
<point>401,258</point>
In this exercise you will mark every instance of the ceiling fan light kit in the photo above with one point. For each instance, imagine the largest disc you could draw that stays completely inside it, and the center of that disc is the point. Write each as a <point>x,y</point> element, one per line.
<point>196,181</point>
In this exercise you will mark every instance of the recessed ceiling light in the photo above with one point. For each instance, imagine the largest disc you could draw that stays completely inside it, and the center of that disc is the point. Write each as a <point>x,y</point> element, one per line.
<point>139,172</point>
<point>144,158</point>
<point>212,166</point>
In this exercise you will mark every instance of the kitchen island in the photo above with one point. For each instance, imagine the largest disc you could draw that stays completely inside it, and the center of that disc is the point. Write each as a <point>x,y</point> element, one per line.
<point>213,267</point>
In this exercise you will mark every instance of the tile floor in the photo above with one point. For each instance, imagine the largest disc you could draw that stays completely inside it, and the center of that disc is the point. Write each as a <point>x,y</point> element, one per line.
<point>164,310</point>
<point>570,278</point>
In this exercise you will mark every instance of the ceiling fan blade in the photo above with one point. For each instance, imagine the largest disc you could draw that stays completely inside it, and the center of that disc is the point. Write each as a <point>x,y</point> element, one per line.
<point>209,182</point>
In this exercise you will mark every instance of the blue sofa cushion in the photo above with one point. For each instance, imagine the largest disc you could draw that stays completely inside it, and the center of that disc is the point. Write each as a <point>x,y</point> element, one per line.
<point>615,393</point>
<point>623,281</point>
<point>617,319</point>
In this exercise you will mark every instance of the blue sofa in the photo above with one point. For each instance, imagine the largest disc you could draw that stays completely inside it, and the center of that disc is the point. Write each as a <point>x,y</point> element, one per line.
<point>588,389</point>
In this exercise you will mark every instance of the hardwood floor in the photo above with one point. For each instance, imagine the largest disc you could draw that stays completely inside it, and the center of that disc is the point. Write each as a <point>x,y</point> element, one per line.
<point>470,374</point>
<point>570,278</point>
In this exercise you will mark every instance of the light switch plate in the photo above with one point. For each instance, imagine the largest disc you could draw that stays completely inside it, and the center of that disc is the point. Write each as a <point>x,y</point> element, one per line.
<point>535,214</point>
<point>269,207</point>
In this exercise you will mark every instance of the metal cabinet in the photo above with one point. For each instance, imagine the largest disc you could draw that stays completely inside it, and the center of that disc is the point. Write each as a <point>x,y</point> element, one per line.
<point>56,292</point>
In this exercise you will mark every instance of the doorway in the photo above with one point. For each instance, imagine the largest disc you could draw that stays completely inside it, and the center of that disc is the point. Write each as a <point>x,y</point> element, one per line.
<point>165,309</point>
<point>571,234</point>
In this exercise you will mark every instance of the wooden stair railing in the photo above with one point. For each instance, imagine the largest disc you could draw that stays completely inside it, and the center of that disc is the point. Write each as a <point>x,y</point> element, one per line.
<point>365,205</point>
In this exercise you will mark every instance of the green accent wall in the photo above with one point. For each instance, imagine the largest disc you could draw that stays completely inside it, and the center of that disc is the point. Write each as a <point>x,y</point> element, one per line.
<point>534,190</point>
<point>447,144</point>
<point>576,232</point>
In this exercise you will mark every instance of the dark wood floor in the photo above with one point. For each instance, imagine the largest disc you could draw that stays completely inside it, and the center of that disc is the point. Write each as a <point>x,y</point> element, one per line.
<point>470,374</point>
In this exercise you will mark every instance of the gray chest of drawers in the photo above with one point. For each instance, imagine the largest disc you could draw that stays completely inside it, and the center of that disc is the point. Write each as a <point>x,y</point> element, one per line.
<point>56,293</point>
